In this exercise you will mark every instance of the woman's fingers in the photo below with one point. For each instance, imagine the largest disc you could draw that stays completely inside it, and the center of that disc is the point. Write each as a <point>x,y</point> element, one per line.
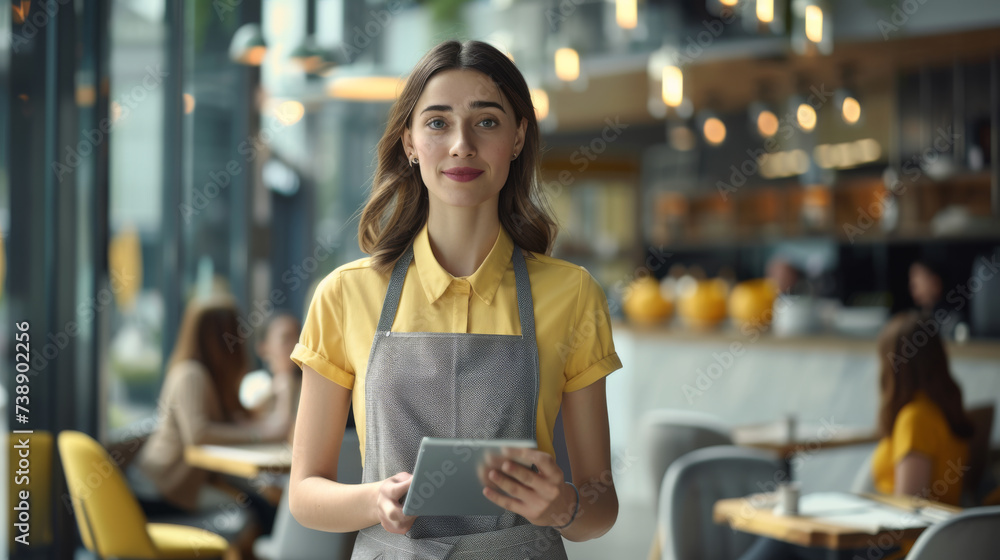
<point>518,480</point>
<point>545,462</point>
<point>506,502</point>
<point>545,467</point>
<point>529,502</point>
<point>533,492</point>
<point>390,507</point>
<point>511,485</point>
<point>399,485</point>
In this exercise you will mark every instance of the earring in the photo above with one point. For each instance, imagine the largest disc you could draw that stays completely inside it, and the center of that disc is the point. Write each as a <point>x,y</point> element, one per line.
<point>413,160</point>
<point>515,156</point>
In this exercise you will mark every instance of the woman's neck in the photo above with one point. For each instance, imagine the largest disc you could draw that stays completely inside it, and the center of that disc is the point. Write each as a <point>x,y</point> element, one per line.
<point>461,238</point>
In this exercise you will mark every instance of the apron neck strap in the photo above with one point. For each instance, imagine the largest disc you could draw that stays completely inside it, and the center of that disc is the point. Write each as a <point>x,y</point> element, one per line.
<point>525,305</point>
<point>392,294</point>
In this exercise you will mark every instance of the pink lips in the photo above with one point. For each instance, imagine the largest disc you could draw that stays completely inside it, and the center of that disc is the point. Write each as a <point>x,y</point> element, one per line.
<point>463,174</point>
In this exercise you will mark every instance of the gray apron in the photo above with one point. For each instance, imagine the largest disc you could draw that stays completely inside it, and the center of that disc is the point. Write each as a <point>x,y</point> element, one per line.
<point>451,385</point>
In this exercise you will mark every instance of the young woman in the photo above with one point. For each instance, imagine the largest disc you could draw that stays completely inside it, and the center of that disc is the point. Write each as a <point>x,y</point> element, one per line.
<point>928,285</point>
<point>458,325</point>
<point>199,404</point>
<point>278,338</point>
<point>925,431</point>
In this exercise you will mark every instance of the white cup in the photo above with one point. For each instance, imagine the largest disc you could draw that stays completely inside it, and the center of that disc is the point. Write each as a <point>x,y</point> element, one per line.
<point>788,499</point>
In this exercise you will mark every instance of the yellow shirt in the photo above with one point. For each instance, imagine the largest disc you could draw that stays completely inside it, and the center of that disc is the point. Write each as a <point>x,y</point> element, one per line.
<point>571,320</point>
<point>921,426</point>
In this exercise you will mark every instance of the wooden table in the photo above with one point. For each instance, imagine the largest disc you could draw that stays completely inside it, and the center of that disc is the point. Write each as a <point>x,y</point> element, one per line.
<point>787,439</point>
<point>753,514</point>
<point>775,436</point>
<point>247,461</point>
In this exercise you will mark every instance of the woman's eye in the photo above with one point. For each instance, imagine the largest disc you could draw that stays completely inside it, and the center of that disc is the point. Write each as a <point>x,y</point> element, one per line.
<point>438,121</point>
<point>492,122</point>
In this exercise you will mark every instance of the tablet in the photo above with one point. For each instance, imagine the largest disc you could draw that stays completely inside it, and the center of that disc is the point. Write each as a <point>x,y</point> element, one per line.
<point>450,474</point>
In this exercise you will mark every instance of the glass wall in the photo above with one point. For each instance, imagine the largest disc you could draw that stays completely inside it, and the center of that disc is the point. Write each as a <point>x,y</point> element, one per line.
<point>179,188</point>
<point>138,61</point>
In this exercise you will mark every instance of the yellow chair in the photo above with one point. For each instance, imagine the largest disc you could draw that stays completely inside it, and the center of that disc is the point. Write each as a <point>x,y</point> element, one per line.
<point>111,523</point>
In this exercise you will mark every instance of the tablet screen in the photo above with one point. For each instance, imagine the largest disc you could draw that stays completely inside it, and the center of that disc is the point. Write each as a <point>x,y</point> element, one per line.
<point>450,475</point>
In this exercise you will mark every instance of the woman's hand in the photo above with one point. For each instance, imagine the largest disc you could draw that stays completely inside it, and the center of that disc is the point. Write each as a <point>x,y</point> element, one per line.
<point>389,503</point>
<point>543,497</point>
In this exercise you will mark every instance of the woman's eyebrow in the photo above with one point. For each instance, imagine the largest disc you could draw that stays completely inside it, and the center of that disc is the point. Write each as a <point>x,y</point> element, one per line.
<point>485,104</point>
<point>472,105</point>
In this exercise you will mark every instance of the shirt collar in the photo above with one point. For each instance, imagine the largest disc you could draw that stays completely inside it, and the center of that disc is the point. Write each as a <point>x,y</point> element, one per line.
<point>485,281</point>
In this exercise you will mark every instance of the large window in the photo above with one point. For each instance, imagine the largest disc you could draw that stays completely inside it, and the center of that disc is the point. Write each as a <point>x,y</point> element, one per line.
<point>138,85</point>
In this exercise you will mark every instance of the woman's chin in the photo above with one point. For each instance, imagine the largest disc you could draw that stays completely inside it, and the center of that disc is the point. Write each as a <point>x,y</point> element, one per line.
<point>458,199</point>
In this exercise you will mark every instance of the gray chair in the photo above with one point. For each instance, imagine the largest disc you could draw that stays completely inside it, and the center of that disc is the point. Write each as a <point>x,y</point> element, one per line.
<point>289,540</point>
<point>970,535</point>
<point>979,449</point>
<point>665,435</point>
<point>692,485</point>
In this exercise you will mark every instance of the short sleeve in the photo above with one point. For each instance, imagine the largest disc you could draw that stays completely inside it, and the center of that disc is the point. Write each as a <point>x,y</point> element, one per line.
<point>590,350</point>
<point>917,428</point>
<point>321,345</point>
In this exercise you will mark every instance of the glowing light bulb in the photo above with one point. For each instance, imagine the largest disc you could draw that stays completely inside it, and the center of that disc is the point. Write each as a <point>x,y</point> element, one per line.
<point>567,64</point>
<point>806,116</point>
<point>627,13</point>
<point>767,124</point>
<point>851,110</point>
<point>540,100</point>
<point>673,86</point>
<point>814,24</point>
<point>715,131</point>
<point>765,11</point>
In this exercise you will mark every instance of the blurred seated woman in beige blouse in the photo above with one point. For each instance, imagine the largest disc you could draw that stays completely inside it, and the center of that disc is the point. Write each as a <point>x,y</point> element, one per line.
<point>199,404</point>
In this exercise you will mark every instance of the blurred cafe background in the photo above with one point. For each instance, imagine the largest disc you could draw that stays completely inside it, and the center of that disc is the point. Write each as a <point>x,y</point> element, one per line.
<point>757,184</point>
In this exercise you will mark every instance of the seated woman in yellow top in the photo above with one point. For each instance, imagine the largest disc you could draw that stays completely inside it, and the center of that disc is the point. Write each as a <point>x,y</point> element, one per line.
<point>924,450</point>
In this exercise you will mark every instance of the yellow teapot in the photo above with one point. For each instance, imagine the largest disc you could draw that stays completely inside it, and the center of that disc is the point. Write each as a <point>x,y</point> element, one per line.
<point>751,302</point>
<point>643,303</point>
<point>703,305</point>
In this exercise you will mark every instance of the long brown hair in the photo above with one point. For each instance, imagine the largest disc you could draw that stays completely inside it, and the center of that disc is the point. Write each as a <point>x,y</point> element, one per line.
<point>913,358</point>
<point>397,207</point>
<point>209,334</point>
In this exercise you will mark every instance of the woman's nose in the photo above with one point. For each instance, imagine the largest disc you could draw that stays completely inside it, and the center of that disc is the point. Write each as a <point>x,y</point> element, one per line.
<point>463,145</point>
